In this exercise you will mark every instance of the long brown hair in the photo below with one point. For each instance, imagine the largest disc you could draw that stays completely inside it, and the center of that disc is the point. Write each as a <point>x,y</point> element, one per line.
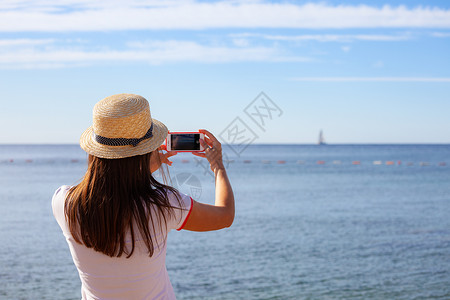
<point>113,195</point>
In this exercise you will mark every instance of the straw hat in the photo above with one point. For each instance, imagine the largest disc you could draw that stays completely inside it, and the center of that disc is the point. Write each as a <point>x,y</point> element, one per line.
<point>122,127</point>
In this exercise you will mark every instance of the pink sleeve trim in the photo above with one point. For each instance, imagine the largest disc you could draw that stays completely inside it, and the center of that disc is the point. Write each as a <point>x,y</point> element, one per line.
<point>187,217</point>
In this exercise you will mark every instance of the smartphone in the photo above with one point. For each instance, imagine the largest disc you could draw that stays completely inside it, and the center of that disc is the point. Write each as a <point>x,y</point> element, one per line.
<point>184,141</point>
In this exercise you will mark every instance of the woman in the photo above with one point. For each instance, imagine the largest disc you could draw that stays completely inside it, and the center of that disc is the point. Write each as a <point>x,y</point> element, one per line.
<point>117,219</point>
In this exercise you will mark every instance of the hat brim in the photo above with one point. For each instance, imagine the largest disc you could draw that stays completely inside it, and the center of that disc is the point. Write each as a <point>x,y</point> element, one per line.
<point>88,144</point>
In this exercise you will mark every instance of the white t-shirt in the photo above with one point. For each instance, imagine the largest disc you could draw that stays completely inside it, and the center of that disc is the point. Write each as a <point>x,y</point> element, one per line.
<point>137,277</point>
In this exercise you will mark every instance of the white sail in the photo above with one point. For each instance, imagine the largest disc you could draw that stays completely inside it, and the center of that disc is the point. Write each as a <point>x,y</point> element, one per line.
<point>321,138</point>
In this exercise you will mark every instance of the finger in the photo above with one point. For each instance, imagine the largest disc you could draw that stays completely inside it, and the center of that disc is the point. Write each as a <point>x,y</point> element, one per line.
<point>204,144</point>
<point>170,153</point>
<point>212,140</point>
<point>167,162</point>
<point>208,141</point>
<point>209,135</point>
<point>162,147</point>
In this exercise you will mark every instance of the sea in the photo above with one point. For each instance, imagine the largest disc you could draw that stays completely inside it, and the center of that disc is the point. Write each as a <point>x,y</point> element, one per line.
<point>312,222</point>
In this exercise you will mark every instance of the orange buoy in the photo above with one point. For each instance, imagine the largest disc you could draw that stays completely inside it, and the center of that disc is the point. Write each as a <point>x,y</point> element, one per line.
<point>390,163</point>
<point>356,162</point>
<point>320,162</point>
<point>281,162</point>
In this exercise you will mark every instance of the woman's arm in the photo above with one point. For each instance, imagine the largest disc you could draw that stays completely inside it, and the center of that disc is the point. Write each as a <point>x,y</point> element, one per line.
<point>205,217</point>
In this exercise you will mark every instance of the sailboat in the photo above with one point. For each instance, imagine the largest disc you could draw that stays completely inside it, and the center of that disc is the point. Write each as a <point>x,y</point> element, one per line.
<point>321,138</point>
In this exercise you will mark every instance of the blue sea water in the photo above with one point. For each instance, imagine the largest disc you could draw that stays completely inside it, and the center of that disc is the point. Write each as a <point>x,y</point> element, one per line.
<point>312,222</point>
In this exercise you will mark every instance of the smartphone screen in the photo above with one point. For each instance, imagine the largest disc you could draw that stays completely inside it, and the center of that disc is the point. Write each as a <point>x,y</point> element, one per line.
<point>185,141</point>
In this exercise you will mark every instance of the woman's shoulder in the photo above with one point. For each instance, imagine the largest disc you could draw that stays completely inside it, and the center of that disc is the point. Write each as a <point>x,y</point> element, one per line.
<point>178,199</point>
<point>62,189</point>
<point>59,198</point>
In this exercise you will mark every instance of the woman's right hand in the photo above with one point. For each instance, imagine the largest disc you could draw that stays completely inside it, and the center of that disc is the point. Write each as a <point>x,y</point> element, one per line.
<point>213,151</point>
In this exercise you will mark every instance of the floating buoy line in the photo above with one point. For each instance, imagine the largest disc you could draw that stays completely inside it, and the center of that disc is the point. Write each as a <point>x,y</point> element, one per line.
<point>248,161</point>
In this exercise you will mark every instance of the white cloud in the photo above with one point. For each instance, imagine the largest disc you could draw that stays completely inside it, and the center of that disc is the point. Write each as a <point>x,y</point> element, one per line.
<point>241,42</point>
<point>84,15</point>
<point>346,48</point>
<point>151,52</point>
<point>343,38</point>
<point>380,37</point>
<point>25,42</point>
<point>441,34</point>
<point>63,5</point>
<point>372,79</point>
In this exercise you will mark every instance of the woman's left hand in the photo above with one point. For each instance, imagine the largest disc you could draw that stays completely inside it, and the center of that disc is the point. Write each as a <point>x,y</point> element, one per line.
<point>156,162</point>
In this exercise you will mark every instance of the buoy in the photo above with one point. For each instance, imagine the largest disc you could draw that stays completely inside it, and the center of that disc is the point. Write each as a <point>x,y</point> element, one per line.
<point>11,160</point>
<point>281,162</point>
<point>442,164</point>
<point>399,162</point>
<point>185,161</point>
<point>320,162</point>
<point>74,160</point>
<point>390,163</point>
<point>28,160</point>
<point>356,162</point>
<point>247,161</point>
<point>377,162</point>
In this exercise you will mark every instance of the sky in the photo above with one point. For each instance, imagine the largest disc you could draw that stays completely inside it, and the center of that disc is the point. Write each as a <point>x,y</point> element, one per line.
<point>249,71</point>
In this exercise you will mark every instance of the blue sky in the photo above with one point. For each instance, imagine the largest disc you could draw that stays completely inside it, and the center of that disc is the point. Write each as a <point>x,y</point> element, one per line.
<point>363,71</point>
